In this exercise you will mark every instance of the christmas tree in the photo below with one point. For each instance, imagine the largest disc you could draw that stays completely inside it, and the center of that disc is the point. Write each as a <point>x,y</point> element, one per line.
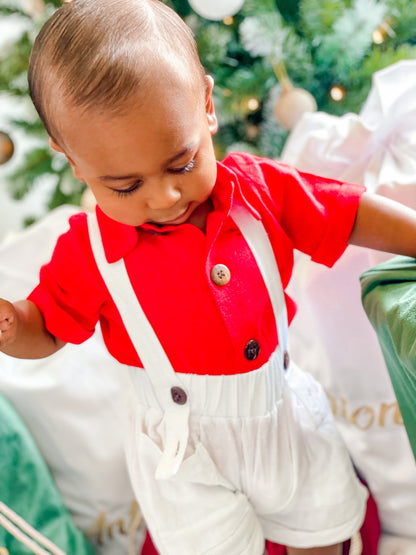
<point>271,60</point>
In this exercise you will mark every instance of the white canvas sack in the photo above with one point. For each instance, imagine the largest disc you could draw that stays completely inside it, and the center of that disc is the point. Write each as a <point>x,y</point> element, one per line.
<point>71,403</point>
<point>330,335</point>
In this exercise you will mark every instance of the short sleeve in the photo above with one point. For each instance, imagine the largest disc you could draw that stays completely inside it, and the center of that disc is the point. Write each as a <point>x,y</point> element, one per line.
<point>316,213</point>
<point>319,214</point>
<point>70,292</point>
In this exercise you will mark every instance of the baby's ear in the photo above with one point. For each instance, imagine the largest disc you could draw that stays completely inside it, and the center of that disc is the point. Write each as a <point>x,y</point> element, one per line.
<point>53,144</point>
<point>209,105</point>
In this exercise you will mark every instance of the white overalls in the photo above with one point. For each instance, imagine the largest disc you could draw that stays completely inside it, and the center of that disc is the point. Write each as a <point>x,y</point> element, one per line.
<point>218,463</point>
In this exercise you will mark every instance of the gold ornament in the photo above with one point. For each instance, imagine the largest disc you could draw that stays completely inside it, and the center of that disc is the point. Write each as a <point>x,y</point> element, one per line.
<point>6,147</point>
<point>293,102</point>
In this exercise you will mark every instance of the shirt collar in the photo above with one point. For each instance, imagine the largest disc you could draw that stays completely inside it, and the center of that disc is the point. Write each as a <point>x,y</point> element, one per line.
<point>226,177</point>
<point>119,239</point>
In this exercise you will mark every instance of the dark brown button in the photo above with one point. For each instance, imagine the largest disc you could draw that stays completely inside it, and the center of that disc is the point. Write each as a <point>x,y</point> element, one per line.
<point>286,360</point>
<point>252,349</point>
<point>178,395</point>
<point>220,274</point>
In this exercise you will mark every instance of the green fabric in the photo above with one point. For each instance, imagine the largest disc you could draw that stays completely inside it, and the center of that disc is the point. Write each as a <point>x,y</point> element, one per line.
<point>27,487</point>
<point>389,300</point>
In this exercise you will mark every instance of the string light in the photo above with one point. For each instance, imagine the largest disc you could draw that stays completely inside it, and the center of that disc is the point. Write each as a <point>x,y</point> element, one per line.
<point>337,93</point>
<point>379,35</point>
<point>253,104</point>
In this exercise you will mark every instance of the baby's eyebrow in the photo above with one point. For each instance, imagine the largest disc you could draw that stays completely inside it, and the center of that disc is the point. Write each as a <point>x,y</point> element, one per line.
<point>187,149</point>
<point>119,177</point>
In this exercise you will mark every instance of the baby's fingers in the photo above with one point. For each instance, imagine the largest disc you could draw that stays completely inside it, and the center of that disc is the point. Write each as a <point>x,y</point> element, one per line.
<point>7,322</point>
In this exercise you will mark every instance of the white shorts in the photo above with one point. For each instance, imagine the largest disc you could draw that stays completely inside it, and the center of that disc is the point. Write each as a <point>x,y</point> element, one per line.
<point>270,465</point>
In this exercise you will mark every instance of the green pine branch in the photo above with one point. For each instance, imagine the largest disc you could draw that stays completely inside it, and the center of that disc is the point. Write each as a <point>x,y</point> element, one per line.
<point>13,66</point>
<point>36,164</point>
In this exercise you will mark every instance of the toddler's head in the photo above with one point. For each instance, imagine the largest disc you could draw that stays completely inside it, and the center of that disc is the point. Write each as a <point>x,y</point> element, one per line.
<point>97,54</point>
<point>122,93</point>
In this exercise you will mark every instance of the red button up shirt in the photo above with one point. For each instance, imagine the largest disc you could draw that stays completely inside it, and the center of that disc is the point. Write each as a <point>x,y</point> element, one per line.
<point>203,327</point>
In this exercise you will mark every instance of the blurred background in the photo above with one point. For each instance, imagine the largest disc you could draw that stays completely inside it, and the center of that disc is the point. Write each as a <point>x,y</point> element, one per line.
<point>272,60</point>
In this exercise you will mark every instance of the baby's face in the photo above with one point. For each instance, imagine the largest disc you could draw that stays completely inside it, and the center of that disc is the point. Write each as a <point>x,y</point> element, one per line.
<point>154,164</point>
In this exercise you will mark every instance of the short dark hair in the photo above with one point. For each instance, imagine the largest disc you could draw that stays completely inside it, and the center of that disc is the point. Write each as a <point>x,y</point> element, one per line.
<point>96,53</point>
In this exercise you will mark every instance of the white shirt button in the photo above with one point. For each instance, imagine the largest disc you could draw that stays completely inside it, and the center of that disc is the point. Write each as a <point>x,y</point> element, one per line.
<point>220,274</point>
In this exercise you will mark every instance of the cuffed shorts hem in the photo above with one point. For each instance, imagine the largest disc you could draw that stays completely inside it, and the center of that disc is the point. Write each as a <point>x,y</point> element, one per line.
<point>317,538</point>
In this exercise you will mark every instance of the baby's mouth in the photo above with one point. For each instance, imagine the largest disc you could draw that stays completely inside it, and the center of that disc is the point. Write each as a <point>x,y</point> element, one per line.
<point>176,219</point>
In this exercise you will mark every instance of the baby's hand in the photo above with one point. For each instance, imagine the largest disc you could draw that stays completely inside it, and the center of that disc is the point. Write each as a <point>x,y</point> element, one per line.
<point>8,323</point>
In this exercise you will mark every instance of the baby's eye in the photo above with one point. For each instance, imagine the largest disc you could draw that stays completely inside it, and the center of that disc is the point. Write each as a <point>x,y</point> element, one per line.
<point>128,191</point>
<point>185,169</point>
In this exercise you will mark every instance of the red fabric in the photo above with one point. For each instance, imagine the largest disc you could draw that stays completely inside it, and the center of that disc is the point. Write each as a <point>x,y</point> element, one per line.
<point>371,529</point>
<point>148,547</point>
<point>370,535</point>
<point>170,268</point>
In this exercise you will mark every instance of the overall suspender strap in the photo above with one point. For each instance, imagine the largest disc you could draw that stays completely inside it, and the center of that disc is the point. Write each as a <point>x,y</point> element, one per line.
<point>261,248</point>
<point>155,362</point>
<point>165,381</point>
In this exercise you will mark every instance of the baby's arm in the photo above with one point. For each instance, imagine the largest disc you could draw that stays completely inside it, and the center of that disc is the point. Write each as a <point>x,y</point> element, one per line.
<point>385,225</point>
<point>23,333</point>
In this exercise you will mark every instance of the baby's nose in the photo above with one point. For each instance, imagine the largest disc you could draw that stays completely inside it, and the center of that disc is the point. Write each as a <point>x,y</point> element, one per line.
<point>163,197</point>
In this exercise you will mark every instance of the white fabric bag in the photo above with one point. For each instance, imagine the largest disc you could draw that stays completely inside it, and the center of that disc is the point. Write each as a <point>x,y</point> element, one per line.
<point>330,335</point>
<point>72,403</point>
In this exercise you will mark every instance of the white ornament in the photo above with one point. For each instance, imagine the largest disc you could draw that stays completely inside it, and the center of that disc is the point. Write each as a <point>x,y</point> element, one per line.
<point>216,9</point>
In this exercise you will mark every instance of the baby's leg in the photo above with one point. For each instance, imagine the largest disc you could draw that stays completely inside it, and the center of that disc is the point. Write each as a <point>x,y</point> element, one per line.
<point>328,550</point>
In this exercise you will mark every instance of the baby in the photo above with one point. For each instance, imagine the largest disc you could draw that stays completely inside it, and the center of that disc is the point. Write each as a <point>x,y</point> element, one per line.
<point>184,265</point>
